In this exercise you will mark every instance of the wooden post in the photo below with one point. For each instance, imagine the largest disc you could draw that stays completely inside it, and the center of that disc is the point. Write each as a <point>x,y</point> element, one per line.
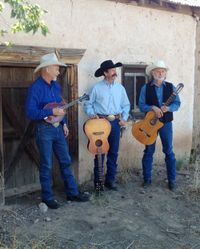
<point>2,190</point>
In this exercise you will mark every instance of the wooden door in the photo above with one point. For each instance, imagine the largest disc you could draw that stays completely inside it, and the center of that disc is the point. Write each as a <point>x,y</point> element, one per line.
<point>18,152</point>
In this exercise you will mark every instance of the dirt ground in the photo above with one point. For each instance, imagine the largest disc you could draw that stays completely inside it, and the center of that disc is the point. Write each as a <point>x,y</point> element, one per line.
<point>130,218</point>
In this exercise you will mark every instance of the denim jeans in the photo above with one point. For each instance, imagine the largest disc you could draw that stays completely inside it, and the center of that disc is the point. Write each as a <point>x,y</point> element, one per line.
<point>166,136</point>
<point>50,139</point>
<point>112,155</point>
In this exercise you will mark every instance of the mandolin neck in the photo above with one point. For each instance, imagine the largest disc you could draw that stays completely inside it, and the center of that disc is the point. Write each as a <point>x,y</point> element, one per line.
<point>66,106</point>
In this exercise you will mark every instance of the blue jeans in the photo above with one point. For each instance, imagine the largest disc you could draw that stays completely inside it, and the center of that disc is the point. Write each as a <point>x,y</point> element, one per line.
<point>50,139</point>
<point>166,135</point>
<point>112,155</point>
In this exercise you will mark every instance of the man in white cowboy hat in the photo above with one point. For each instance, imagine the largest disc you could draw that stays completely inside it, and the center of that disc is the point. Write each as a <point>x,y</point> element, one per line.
<point>152,97</point>
<point>108,99</point>
<point>49,138</point>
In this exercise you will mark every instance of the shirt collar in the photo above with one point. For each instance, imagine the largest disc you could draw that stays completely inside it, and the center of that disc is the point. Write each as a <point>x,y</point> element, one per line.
<point>108,83</point>
<point>52,82</point>
<point>153,83</point>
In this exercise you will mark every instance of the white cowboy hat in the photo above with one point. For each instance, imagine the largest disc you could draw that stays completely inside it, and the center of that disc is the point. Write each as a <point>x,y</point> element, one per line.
<point>157,64</point>
<point>47,60</point>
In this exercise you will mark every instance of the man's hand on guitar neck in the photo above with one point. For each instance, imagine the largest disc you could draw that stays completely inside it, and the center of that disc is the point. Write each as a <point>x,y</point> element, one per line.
<point>58,112</point>
<point>164,108</point>
<point>158,111</point>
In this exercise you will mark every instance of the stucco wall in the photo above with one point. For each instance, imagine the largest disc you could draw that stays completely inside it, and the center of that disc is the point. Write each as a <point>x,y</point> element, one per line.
<point>130,34</point>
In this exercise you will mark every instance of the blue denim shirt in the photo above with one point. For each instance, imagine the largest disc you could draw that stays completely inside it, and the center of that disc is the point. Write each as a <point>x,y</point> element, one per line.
<point>41,93</point>
<point>174,106</point>
<point>106,98</point>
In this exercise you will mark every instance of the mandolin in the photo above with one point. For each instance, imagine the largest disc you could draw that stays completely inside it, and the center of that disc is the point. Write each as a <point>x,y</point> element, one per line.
<point>97,130</point>
<point>146,130</point>
<point>55,120</point>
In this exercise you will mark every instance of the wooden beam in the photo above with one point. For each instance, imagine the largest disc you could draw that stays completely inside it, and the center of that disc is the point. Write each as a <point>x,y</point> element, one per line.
<point>2,193</point>
<point>13,84</point>
<point>23,189</point>
<point>27,54</point>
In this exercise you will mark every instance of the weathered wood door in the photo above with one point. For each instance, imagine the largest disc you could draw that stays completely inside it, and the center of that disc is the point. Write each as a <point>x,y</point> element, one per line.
<point>20,157</point>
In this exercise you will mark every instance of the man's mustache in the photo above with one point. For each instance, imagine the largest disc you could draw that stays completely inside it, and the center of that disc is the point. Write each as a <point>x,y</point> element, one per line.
<point>114,75</point>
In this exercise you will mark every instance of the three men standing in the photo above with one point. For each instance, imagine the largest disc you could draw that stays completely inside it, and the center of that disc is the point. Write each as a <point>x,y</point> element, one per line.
<point>108,99</point>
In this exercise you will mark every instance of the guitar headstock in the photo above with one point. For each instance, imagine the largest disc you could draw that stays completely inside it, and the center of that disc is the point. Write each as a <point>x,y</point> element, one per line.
<point>179,87</point>
<point>84,97</point>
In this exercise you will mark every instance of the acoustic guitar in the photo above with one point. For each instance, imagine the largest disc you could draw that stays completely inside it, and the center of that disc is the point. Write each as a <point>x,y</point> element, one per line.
<point>97,131</point>
<point>146,130</point>
<point>55,120</point>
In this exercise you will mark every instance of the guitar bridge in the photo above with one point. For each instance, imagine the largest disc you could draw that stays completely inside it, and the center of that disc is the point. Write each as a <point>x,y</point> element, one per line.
<point>98,133</point>
<point>142,130</point>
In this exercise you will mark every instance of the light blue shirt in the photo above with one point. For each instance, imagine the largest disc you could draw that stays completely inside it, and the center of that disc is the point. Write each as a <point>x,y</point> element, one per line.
<point>106,99</point>
<point>174,106</point>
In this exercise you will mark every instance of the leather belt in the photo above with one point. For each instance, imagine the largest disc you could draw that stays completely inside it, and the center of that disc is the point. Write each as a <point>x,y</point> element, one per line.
<point>110,117</point>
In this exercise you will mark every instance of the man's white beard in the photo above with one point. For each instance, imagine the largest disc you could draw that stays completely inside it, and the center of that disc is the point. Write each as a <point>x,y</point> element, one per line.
<point>159,78</point>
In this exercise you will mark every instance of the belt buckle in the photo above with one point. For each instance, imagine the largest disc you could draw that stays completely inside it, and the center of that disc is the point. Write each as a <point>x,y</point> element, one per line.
<point>111,117</point>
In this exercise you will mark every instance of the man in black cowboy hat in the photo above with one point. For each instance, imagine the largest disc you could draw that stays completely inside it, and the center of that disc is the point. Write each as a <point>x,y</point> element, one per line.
<point>108,99</point>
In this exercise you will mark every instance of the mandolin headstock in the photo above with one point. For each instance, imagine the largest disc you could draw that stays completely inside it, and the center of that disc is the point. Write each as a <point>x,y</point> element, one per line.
<point>84,97</point>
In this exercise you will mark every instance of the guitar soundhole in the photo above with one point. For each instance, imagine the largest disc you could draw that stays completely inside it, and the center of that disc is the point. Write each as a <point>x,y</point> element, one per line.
<point>153,121</point>
<point>98,143</point>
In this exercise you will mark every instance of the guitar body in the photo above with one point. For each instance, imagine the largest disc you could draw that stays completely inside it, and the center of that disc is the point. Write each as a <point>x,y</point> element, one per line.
<point>146,130</point>
<point>97,130</point>
<point>54,119</point>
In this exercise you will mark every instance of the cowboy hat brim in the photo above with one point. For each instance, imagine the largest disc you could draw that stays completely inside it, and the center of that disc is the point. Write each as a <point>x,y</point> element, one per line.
<point>45,64</point>
<point>100,71</point>
<point>152,67</point>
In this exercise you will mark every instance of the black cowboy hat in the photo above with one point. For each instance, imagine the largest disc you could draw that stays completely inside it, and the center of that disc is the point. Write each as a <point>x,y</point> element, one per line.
<point>106,65</point>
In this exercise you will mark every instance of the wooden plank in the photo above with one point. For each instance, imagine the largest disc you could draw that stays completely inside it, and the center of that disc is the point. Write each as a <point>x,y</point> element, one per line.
<point>2,193</point>
<point>12,84</point>
<point>29,148</point>
<point>12,116</point>
<point>32,152</point>
<point>9,134</point>
<point>18,153</point>
<point>28,54</point>
<point>23,189</point>
<point>72,85</point>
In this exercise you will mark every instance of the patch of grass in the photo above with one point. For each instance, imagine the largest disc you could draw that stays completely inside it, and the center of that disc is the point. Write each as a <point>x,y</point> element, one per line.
<point>101,200</point>
<point>125,174</point>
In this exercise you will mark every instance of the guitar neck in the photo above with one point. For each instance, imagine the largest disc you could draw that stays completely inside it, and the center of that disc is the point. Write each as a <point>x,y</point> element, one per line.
<point>170,99</point>
<point>174,94</point>
<point>100,166</point>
